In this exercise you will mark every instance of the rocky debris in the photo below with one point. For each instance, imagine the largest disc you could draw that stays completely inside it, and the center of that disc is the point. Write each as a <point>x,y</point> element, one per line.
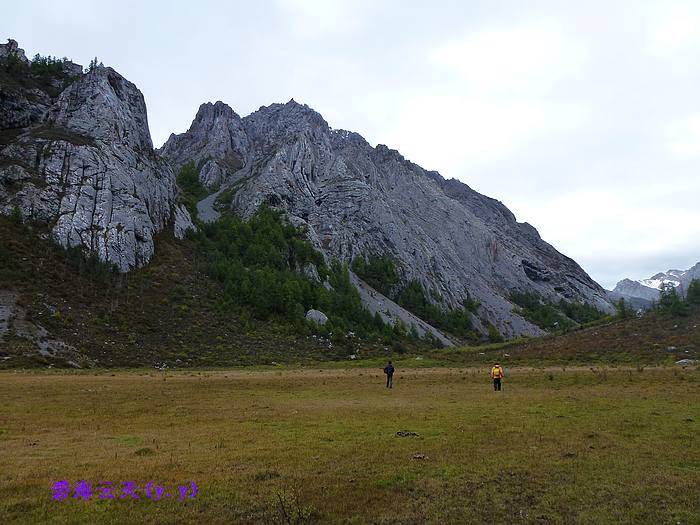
<point>358,200</point>
<point>83,163</point>
<point>13,321</point>
<point>686,362</point>
<point>205,208</point>
<point>420,456</point>
<point>182,222</point>
<point>406,433</point>
<point>316,316</point>
<point>392,314</point>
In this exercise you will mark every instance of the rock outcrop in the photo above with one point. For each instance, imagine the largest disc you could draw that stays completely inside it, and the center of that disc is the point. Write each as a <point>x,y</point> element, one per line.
<point>357,200</point>
<point>83,163</point>
<point>12,49</point>
<point>316,316</point>
<point>216,142</point>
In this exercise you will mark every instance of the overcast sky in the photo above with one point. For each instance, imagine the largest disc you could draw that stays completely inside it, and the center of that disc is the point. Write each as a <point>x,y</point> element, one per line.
<point>582,117</point>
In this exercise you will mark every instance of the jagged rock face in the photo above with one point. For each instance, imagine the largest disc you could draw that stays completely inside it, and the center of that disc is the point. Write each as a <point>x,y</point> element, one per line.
<point>182,222</point>
<point>83,163</point>
<point>12,49</point>
<point>216,142</point>
<point>358,200</point>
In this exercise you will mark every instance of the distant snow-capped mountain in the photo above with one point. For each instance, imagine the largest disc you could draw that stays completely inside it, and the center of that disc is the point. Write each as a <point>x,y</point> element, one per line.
<point>672,277</point>
<point>648,289</point>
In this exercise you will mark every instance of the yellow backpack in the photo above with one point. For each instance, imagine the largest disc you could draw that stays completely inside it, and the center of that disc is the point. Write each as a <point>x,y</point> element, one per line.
<point>496,372</point>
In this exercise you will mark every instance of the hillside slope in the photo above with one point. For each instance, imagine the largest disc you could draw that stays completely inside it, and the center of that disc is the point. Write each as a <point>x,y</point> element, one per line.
<point>76,157</point>
<point>361,201</point>
<point>655,338</point>
<point>168,313</point>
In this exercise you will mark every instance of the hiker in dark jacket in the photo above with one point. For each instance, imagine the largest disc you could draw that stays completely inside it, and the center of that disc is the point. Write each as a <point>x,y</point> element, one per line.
<point>389,371</point>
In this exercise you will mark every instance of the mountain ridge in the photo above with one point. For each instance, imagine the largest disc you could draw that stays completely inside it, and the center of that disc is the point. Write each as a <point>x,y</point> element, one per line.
<point>80,159</point>
<point>352,197</point>
<point>649,289</point>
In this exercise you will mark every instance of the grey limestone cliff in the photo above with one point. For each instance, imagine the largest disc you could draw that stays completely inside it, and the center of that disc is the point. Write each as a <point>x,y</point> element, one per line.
<point>359,200</point>
<point>80,159</point>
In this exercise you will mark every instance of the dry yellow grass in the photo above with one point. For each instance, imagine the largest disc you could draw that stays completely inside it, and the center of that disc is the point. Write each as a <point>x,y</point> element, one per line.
<point>616,445</point>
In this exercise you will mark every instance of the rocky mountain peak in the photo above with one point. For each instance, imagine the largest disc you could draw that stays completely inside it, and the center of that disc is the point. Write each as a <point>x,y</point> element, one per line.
<point>118,102</point>
<point>81,161</point>
<point>210,114</point>
<point>283,121</point>
<point>358,201</point>
<point>215,142</point>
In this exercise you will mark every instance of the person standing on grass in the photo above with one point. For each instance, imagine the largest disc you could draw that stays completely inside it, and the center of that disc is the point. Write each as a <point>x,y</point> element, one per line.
<point>389,371</point>
<point>497,374</point>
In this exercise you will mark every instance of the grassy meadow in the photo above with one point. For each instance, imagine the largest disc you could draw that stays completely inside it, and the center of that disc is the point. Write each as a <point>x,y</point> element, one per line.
<point>557,445</point>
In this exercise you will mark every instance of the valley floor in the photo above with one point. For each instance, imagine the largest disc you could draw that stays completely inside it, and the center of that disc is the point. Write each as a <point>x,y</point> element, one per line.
<point>555,446</point>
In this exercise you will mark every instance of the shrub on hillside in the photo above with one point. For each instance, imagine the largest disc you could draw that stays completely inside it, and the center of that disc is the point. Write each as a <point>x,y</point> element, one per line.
<point>550,316</point>
<point>693,294</point>
<point>670,301</point>
<point>379,272</point>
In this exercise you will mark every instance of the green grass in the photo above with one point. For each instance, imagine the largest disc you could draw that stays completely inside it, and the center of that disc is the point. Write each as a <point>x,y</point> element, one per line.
<point>556,446</point>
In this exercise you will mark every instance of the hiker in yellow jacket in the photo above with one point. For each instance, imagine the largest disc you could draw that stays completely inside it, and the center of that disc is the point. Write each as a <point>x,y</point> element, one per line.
<point>497,374</point>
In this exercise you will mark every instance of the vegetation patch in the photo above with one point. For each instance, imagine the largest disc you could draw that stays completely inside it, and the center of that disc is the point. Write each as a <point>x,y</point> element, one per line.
<point>171,313</point>
<point>260,264</point>
<point>191,189</point>
<point>381,273</point>
<point>554,316</point>
<point>46,73</point>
